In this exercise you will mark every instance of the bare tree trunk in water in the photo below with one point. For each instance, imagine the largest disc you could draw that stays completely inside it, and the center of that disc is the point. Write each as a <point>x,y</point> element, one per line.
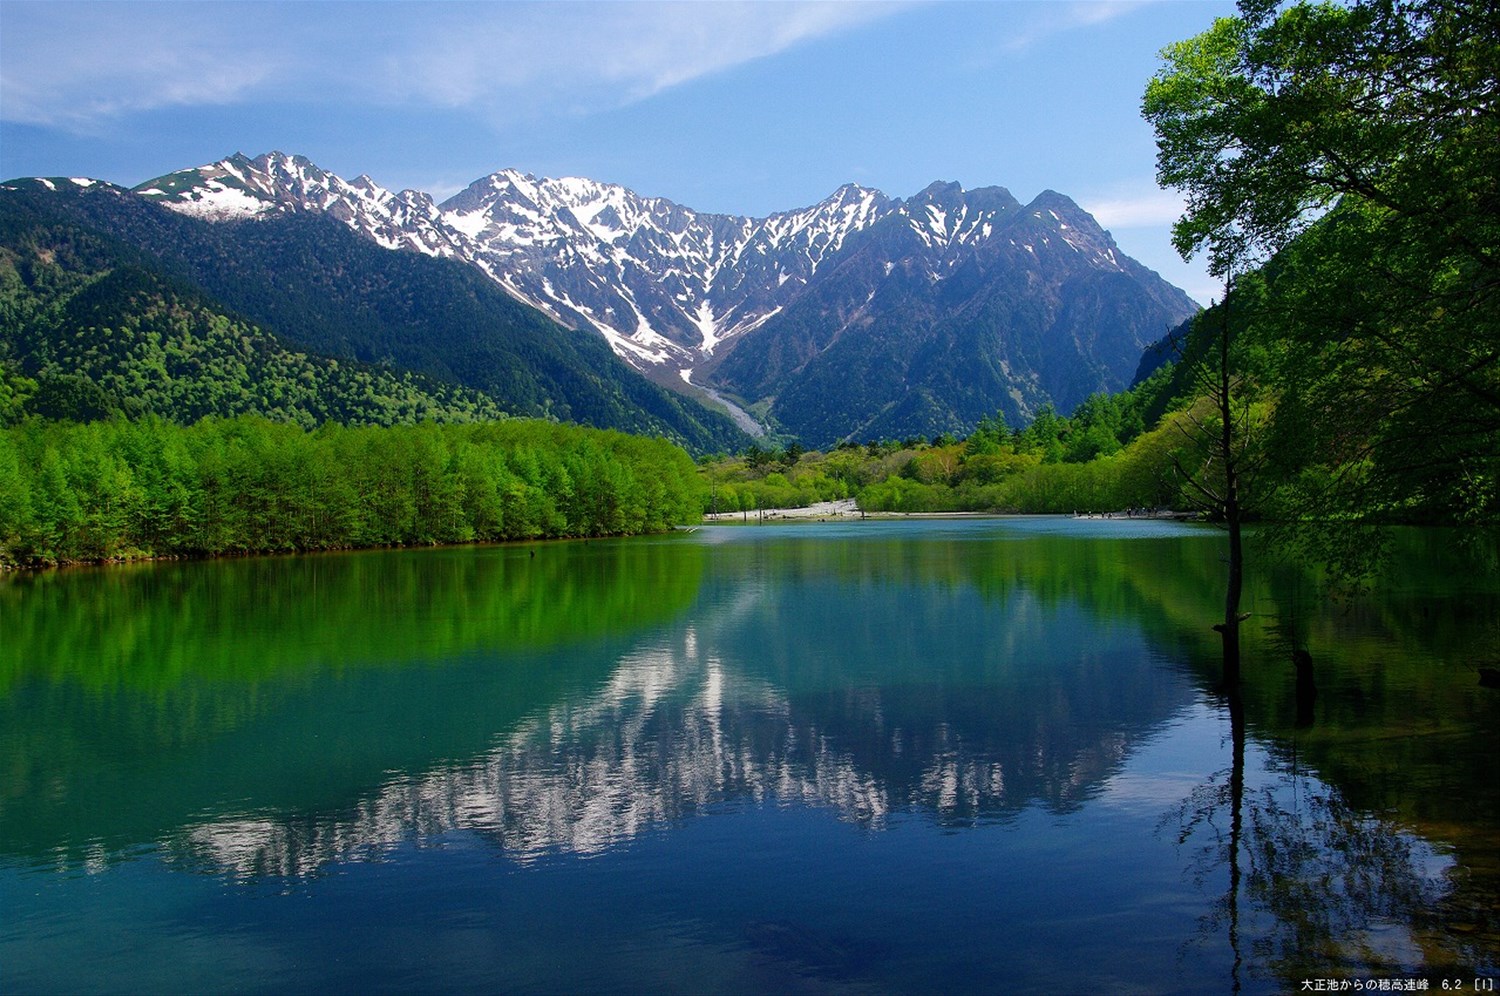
<point>1222,501</point>
<point>1231,626</point>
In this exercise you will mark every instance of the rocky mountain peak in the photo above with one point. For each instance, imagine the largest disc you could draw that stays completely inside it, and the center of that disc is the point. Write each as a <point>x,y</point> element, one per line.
<point>673,290</point>
<point>939,192</point>
<point>240,188</point>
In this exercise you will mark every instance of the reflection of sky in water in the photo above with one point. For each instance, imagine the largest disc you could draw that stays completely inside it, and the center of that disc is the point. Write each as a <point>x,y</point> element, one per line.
<point>896,770</point>
<point>1169,763</point>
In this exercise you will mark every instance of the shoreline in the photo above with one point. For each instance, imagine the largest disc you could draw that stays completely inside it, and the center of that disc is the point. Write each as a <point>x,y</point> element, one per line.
<point>844,508</point>
<point>848,508</point>
<point>120,560</point>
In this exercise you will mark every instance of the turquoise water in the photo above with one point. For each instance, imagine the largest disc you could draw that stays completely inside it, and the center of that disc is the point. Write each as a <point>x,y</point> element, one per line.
<point>979,755</point>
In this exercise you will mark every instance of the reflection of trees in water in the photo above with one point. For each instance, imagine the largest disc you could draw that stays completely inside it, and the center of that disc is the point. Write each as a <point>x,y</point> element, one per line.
<point>1376,867</point>
<point>1315,887</point>
<point>1407,735</point>
<point>1340,885</point>
<point>1383,862</point>
<point>269,620</point>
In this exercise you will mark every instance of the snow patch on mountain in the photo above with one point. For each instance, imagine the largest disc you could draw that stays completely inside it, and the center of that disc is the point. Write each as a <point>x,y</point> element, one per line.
<point>240,188</point>
<point>674,283</point>
<point>669,288</point>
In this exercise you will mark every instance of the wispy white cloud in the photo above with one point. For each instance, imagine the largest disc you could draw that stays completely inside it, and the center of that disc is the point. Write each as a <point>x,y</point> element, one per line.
<point>1055,18</point>
<point>75,64</point>
<point>633,49</point>
<point>1140,215</point>
<point>1149,207</point>
<point>78,64</point>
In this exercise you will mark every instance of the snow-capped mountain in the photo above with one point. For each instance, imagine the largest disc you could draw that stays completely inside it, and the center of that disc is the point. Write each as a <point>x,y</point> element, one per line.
<point>677,293</point>
<point>239,187</point>
<point>381,331</point>
<point>664,284</point>
<point>957,305</point>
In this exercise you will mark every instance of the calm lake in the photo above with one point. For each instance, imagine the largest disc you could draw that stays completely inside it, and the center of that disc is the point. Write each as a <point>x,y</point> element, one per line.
<point>935,756</point>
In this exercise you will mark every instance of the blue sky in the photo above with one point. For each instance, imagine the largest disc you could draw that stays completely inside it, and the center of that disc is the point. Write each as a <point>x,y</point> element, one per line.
<point>743,108</point>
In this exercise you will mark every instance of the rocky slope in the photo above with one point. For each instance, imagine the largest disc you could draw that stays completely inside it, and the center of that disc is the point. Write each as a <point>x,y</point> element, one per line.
<point>860,314</point>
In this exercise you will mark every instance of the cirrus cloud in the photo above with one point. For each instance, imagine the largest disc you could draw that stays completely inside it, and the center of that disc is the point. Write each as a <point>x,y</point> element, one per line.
<point>79,65</point>
<point>1148,207</point>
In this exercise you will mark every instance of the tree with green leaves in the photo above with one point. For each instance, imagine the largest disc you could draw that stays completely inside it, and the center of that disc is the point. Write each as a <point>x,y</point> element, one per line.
<point>1357,147</point>
<point>1045,435</point>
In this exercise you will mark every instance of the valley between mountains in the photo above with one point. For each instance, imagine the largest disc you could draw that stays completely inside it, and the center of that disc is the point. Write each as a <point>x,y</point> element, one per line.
<point>860,317</point>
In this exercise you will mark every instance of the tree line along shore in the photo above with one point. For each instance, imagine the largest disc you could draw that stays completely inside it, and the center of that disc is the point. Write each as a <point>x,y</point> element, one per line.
<point>148,488</point>
<point>131,489</point>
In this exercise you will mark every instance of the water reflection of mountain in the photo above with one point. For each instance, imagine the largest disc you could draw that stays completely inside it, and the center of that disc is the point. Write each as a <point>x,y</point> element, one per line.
<point>134,699</point>
<point>273,718</point>
<point>1027,709</point>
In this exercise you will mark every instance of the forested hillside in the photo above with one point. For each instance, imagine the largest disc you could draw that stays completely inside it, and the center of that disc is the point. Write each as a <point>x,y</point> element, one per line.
<point>320,288</point>
<point>89,333</point>
<point>1112,454</point>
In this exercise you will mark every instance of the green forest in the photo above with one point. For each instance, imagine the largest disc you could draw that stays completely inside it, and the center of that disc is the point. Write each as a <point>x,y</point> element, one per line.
<point>127,489</point>
<point>1101,459</point>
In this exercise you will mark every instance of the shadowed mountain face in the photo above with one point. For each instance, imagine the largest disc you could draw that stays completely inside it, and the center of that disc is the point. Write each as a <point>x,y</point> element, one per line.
<point>859,316</point>
<point>960,305</point>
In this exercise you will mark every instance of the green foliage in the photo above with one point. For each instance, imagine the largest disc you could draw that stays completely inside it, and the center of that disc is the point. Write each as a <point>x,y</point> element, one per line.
<point>1044,436</point>
<point>1389,404</point>
<point>15,389</point>
<point>1269,118</point>
<point>1357,148</point>
<point>94,343</point>
<point>127,489</point>
<point>994,470</point>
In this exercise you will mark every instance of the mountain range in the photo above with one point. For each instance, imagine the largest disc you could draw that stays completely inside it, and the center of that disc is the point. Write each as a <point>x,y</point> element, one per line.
<point>111,303</point>
<point>858,317</point>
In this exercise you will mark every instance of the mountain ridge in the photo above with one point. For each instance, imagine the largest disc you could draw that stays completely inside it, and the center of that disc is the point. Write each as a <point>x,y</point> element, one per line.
<point>757,313</point>
<point>323,289</point>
